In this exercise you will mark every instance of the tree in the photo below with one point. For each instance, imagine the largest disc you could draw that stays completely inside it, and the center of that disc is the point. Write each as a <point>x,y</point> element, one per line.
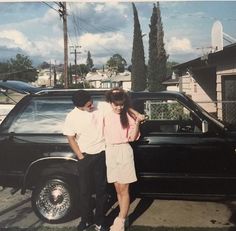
<point>162,56</point>
<point>44,65</point>
<point>83,69</point>
<point>89,61</point>
<point>157,55</point>
<point>138,71</point>
<point>3,71</point>
<point>169,67</point>
<point>116,63</point>
<point>21,68</point>
<point>3,67</point>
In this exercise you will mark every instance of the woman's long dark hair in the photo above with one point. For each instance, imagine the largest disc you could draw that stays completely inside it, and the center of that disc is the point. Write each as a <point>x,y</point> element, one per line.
<point>119,96</point>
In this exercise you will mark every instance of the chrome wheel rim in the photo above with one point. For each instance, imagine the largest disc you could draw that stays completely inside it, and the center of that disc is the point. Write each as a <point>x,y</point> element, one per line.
<point>54,200</point>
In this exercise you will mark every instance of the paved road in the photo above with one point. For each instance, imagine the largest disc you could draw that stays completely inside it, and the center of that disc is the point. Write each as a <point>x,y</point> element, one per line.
<point>16,211</point>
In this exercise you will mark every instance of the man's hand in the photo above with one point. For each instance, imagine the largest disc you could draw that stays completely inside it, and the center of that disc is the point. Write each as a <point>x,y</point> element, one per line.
<point>75,147</point>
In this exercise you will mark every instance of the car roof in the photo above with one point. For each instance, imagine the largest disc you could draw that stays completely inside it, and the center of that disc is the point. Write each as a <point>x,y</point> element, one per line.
<point>26,88</point>
<point>19,86</point>
<point>101,93</point>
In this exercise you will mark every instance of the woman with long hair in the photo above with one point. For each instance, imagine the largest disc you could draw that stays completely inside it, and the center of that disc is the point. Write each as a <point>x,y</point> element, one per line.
<point>121,126</point>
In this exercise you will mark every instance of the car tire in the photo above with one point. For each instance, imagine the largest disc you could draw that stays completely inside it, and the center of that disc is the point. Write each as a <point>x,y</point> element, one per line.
<point>54,200</point>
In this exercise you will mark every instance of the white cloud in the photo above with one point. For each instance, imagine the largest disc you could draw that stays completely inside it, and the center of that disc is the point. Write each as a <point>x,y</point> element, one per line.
<point>106,44</point>
<point>99,17</point>
<point>50,17</point>
<point>179,45</point>
<point>14,39</point>
<point>50,46</point>
<point>44,48</point>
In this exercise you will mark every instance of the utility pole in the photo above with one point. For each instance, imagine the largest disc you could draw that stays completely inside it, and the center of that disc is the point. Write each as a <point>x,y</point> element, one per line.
<point>63,15</point>
<point>75,52</point>
<point>54,75</point>
<point>50,78</point>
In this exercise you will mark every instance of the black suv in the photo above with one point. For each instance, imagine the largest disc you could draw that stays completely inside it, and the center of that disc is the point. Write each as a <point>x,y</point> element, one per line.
<point>183,152</point>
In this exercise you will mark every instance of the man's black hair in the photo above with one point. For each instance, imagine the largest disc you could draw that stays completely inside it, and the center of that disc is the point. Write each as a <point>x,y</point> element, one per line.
<point>80,98</point>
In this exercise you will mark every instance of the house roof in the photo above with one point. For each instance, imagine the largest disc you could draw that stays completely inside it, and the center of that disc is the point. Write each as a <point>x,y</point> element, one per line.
<point>209,60</point>
<point>171,82</point>
<point>120,77</point>
<point>95,76</point>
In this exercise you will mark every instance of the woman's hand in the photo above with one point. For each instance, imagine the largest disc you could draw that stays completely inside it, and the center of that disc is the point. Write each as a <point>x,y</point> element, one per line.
<point>140,117</point>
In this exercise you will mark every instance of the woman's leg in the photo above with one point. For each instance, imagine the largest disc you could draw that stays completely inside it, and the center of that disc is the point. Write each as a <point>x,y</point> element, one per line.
<point>122,191</point>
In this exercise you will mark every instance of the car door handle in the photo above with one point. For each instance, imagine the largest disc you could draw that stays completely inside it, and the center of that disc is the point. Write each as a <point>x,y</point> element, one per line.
<point>11,136</point>
<point>144,141</point>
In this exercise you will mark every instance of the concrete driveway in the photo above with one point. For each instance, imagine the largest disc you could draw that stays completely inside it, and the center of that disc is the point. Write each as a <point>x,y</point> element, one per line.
<point>16,211</point>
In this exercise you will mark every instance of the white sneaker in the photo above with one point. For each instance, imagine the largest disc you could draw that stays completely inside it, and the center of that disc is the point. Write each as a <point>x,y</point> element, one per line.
<point>118,224</point>
<point>99,228</point>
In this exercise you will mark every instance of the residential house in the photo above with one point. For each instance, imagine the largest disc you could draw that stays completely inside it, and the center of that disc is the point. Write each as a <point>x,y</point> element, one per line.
<point>172,84</point>
<point>46,77</point>
<point>118,80</point>
<point>95,78</point>
<point>106,79</point>
<point>211,81</point>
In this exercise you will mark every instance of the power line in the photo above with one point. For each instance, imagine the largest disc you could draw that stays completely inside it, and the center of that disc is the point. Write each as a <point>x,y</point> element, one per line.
<point>63,14</point>
<point>50,6</point>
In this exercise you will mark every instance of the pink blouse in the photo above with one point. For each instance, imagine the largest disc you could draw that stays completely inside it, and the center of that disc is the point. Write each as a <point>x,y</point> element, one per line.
<point>114,132</point>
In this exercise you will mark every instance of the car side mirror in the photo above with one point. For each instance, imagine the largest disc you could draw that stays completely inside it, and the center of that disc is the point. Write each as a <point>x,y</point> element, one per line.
<point>204,126</point>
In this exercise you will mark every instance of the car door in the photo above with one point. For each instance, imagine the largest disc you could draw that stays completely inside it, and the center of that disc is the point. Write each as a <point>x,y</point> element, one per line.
<point>173,155</point>
<point>34,132</point>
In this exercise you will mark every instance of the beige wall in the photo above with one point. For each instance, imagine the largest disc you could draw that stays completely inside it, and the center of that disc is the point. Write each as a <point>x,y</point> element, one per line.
<point>172,88</point>
<point>191,87</point>
<point>126,85</point>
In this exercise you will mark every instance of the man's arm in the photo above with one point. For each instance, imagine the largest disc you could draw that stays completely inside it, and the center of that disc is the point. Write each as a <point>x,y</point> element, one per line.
<point>105,106</point>
<point>75,147</point>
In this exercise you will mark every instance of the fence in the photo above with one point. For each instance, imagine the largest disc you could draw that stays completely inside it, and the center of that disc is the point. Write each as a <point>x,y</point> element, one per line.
<point>172,110</point>
<point>222,110</point>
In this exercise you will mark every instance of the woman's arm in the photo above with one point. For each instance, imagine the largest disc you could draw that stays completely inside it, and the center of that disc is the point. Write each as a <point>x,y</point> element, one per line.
<point>134,132</point>
<point>137,115</point>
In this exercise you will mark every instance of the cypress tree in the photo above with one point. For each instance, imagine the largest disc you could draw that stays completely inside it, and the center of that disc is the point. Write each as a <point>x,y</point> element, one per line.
<point>153,53</point>
<point>89,61</point>
<point>157,55</point>
<point>162,56</point>
<point>138,71</point>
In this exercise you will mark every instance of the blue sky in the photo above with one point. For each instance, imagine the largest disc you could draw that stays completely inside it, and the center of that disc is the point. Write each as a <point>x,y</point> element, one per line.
<point>105,28</point>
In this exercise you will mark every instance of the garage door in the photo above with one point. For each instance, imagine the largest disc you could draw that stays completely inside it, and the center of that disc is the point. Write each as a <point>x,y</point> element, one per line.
<point>229,98</point>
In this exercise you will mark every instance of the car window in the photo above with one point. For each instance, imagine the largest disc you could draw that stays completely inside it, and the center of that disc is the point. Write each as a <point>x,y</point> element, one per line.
<point>42,116</point>
<point>165,110</point>
<point>9,96</point>
<point>169,116</point>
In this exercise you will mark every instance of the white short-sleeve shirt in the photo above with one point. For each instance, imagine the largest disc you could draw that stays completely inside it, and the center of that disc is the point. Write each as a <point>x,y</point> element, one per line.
<point>88,129</point>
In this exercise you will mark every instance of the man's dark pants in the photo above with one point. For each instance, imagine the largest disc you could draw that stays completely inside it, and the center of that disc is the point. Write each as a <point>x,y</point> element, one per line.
<point>92,172</point>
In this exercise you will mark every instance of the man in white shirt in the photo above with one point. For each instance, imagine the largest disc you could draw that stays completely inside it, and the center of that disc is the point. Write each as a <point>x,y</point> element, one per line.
<point>84,131</point>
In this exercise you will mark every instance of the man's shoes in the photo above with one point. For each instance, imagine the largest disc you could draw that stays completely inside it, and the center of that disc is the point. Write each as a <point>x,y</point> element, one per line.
<point>100,228</point>
<point>84,225</point>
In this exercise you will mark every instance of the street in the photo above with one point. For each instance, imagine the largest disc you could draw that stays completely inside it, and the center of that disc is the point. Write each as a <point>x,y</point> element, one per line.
<point>16,211</point>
